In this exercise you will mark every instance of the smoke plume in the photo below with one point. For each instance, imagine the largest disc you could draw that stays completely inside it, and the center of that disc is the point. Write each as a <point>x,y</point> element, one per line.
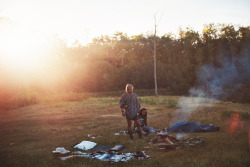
<point>214,82</point>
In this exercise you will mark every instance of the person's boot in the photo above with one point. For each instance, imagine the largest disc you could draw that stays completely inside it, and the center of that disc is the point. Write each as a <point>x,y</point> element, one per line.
<point>131,136</point>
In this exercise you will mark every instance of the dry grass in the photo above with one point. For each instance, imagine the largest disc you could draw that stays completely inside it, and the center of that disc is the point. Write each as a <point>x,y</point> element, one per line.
<point>30,134</point>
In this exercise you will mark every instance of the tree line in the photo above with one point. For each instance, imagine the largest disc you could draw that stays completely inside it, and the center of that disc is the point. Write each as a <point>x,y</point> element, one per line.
<point>108,63</point>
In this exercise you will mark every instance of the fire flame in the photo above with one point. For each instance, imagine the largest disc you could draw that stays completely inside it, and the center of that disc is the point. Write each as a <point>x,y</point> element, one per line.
<point>169,141</point>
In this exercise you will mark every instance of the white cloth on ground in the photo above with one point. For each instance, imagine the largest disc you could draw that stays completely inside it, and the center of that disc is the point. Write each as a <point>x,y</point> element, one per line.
<point>85,145</point>
<point>61,150</point>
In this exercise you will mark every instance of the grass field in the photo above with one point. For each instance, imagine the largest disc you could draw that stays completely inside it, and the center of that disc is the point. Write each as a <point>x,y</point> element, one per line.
<point>29,134</point>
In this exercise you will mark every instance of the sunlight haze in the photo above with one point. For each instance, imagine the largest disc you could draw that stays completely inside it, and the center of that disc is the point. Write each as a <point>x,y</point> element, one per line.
<point>28,27</point>
<point>84,20</point>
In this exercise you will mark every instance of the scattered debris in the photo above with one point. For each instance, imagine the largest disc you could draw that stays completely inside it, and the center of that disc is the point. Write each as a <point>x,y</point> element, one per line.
<point>162,132</point>
<point>93,136</point>
<point>61,150</point>
<point>85,145</point>
<point>194,141</point>
<point>111,156</point>
<point>163,141</point>
<point>141,155</point>
<point>122,132</point>
<point>117,147</point>
<point>101,148</point>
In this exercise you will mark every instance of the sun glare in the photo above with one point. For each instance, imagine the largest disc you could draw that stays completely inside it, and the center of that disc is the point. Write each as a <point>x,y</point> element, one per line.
<point>23,50</point>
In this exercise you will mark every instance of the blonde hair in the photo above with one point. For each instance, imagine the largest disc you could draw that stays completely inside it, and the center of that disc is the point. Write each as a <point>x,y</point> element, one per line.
<point>128,86</point>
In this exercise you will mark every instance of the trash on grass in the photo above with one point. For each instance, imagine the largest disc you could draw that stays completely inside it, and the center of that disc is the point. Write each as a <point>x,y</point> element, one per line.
<point>85,145</point>
<point>93,136</point>
<point>118,147</point>
<point>111,156</point>
<point>122,132</point>
<point>101,148</point>
<point>61,150</point>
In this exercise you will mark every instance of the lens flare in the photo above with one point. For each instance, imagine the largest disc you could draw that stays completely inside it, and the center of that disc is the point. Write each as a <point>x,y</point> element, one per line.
<point>248,135</point>
<point>234,123</point>
<point>22,49</point>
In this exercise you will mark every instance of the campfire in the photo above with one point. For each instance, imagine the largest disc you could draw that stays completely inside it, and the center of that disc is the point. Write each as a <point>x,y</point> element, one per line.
<point>166,142</point>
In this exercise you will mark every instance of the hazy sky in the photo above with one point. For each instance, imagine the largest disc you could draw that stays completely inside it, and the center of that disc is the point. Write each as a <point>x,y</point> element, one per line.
<point>85,19</point>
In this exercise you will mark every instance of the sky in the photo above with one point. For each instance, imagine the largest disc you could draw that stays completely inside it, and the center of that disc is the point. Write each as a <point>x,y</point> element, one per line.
<point>84,20</point>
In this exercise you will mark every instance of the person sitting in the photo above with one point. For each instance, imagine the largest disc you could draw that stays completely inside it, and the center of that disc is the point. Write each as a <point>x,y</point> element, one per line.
<point>142,115</point>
